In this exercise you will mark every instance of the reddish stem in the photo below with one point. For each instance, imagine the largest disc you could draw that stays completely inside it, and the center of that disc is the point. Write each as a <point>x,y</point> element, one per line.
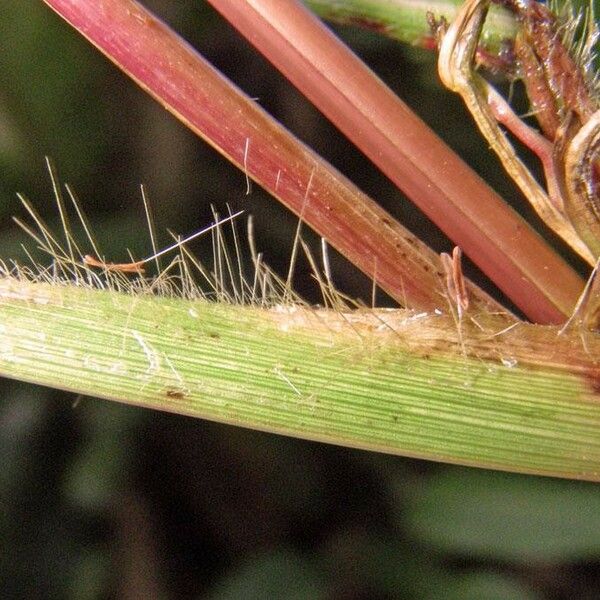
<point>409,153</point>
<point>445,187</point>
<point>235,125</point>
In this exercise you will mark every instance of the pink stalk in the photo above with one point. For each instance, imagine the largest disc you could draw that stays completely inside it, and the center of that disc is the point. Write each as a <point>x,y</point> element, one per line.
<point>189,87</point>
<point>448,191</point>
<point>209,104</point>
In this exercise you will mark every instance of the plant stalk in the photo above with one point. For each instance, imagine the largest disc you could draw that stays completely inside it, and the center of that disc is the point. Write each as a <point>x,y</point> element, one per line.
<point>409,153</point>
<point>236,126</point>
<point>491,394</point>
<point>499,241</point>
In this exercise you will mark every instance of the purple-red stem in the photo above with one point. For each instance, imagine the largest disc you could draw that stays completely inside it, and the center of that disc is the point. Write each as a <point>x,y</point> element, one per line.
<point>409,153</point>
<point>209,104</point>
<point>183,82</point>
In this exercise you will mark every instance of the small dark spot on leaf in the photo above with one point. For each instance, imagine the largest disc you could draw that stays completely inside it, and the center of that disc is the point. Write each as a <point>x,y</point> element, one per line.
<point>366,23</point>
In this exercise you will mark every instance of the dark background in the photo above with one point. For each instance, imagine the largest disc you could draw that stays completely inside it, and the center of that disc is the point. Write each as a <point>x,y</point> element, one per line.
<point>100,500</point>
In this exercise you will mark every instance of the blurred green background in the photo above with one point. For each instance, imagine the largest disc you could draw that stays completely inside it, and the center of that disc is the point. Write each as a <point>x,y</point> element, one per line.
<point>100,500</point>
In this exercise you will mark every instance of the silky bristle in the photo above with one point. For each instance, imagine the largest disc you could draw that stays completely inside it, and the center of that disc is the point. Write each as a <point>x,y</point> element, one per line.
<point>237,275</point>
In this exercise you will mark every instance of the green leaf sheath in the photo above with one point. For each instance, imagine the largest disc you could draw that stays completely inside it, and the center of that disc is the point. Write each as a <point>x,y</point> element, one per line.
<point>406,20</point>
<point>416,384</point>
